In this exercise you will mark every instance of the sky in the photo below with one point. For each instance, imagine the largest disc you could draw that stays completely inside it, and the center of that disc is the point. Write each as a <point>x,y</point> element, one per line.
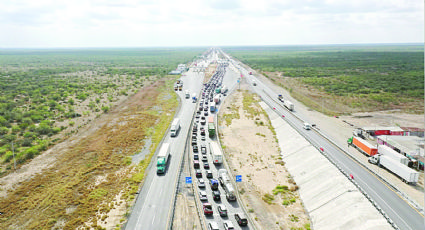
<point>164,23</point>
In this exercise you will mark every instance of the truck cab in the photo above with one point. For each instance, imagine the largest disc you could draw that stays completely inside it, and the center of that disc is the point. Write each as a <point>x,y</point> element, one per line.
<point>373,159</point>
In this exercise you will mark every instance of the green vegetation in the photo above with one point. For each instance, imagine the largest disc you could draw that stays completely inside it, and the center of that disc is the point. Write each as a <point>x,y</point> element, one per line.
<point>385,75</point>
<point>44,92</point>
<point>268,198</point>
<point>72,183</point>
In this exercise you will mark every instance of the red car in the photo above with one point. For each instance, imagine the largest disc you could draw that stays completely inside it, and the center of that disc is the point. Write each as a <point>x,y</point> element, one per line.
<point>207,208</point>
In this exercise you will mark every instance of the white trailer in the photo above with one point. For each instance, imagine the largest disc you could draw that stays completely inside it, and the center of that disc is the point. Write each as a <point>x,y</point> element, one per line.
<point>385,150</point>
<point>224,89</point>
<point>175,127</point>
<point>288,104</point>
<point>407,174</point>
<point>216,153</point>
<point>217,98</point>
<point>162,158</point>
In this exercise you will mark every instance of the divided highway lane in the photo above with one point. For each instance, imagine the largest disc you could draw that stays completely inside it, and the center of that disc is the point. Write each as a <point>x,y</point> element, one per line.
<point>398,210</point>
<point>154,202</point>
<point>229,80</point>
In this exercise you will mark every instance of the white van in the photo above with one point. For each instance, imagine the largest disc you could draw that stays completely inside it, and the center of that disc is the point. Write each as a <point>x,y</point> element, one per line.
<point>187,94</point>
<point>307,126</point>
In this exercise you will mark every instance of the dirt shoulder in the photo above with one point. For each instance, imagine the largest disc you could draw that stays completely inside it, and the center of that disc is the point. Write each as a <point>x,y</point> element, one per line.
<point>251,150</point>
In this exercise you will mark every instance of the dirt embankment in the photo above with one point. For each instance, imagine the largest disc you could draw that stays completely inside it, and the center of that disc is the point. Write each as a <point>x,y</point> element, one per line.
<point>88,180</point>
<point>251,149</point>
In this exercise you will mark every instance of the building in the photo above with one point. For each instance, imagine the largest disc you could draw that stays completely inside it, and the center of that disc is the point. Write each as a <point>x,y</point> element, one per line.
<point>409,146</point>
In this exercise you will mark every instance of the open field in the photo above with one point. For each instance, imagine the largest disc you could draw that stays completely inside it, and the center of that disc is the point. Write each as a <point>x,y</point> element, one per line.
<point>344,79</point>
<point>93,176</point>
<point>49,94</point>
<point>251,149</point>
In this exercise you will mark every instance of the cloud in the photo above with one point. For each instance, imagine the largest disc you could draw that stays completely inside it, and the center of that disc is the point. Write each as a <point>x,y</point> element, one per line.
<point>203,22</point>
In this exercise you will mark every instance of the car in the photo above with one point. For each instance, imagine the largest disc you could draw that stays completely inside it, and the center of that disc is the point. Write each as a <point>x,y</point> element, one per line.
<point>203,149</point>
<point>206,165</point>
<point>228,225</point>
<point>201,183</point>
<point>203,120</point>
<point>216,195</point>
<point>209,174</point>
<point>241,219</point>
<point>202,132</point>
<point>213,225</point>
<point>200,108</point>
<point>222,210</point>
<point>196,164</point>
<point>204,158</point>
<point>203,138</point>
<point>206,113</point>
<point>198,115</point>
<point>214,184</point>
<point>207,207</point>
<point>195,148</point>
<point>203,196</point>
<point>195,156</point>
<point>206,108</point>
<point>306,126</point>
<point>198,173</point>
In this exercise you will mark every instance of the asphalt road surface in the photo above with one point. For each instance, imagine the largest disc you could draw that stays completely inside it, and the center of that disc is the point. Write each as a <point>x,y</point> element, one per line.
<point>397,209</point>
<point>153,205</point>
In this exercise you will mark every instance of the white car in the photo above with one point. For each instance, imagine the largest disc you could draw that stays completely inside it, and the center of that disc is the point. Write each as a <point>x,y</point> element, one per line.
<point>228,225</point>
<point>306,126</point>
<point>203,196</point>
<point>201,183</point>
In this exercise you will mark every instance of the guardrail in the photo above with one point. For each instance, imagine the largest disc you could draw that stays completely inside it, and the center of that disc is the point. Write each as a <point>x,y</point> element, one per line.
<point>334,163</point>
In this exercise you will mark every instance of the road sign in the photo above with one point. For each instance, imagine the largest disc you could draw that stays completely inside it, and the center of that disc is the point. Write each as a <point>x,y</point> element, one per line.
<point>239,81</point>
<point>238,178</point>
<point>188,180</point>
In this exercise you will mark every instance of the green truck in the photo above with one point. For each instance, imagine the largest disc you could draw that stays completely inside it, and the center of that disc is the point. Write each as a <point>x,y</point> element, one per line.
<point>211,127</point>
<point>162,158</point>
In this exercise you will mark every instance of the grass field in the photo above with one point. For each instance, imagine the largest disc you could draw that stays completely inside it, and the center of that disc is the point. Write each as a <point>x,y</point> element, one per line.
<point>359,77</point>
<point>48,94</point>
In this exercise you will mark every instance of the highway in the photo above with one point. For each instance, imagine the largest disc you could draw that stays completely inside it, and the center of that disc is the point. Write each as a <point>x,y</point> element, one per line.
<point>153,205</point>
<point>397,209</point>
<point>229,79</point>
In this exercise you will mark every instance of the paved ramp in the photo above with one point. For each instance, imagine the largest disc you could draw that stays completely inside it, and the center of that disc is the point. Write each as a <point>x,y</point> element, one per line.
<point>331,200</point>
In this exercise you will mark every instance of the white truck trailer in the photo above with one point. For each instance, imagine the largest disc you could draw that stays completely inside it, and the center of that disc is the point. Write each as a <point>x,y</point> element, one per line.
<point>175,127</point>
<point>407,174</point>
<point>216,153</point>
<point>385,150</point>
<point>288,104</point>
<point>217,99</point>
<point>162,158</point>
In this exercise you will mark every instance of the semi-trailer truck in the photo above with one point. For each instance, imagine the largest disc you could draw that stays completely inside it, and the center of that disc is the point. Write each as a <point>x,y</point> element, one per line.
<point>216,153</point>
<point>363,146</point>
<point>224,180</point>
<point>217,98</point>
<point>162,158</point>
<point>175,127</point>
<point>288,104</point>
<point>211,127</point>
<point>407,174</point>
